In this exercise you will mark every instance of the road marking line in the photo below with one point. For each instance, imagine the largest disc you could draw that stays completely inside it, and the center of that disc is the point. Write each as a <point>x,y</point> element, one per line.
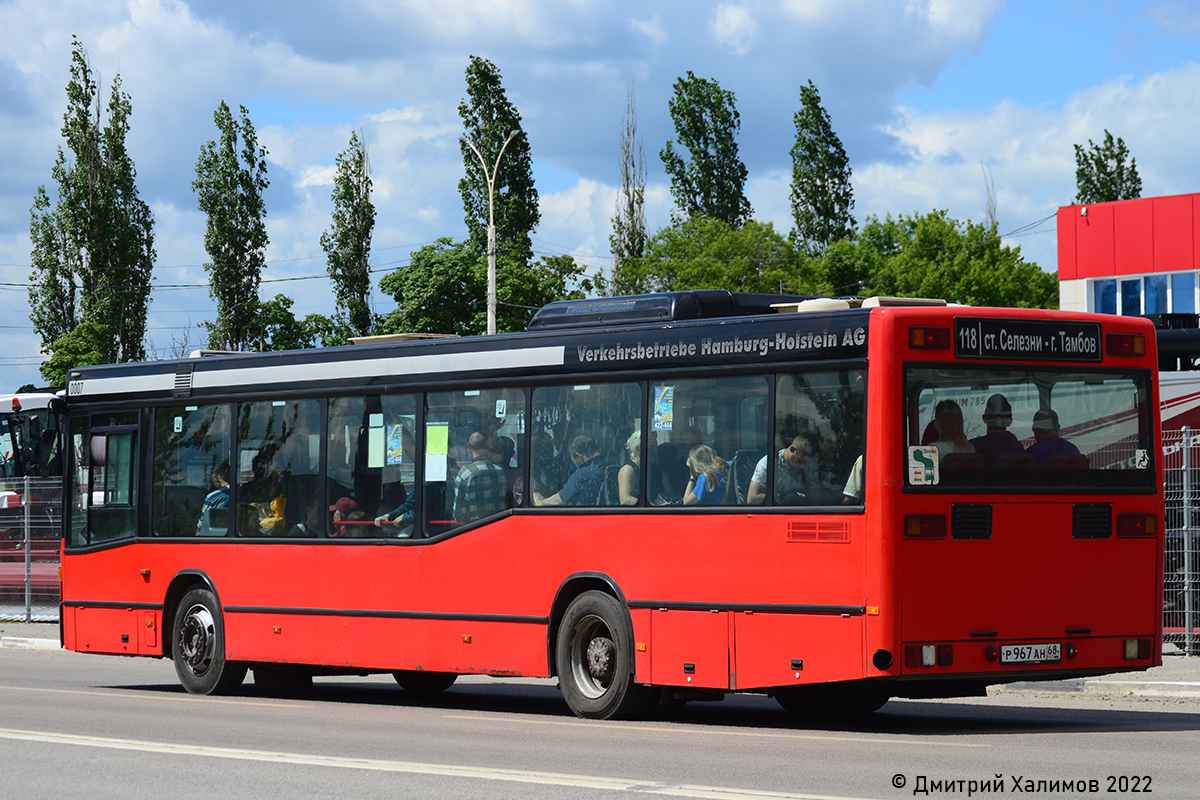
<point>442,770</point>
<point>148,695</point>
<point>727,732</point>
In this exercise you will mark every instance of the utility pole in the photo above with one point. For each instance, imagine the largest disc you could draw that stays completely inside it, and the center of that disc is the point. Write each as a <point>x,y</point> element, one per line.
<point>491,184</point>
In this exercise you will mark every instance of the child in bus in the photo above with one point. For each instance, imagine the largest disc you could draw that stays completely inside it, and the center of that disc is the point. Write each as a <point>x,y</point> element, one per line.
<point>709,474</point>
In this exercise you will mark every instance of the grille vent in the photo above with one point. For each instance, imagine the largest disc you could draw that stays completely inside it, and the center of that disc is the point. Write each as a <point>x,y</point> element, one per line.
<point>971,521</point>
<point>183,380</point>
<point>818,531</point>
<point>1092,521</point>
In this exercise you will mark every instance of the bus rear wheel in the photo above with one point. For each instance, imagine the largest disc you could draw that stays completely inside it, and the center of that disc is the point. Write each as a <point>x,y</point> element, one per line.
<point>419,682</point>
<point>593,654</point>
<point>198,646</point>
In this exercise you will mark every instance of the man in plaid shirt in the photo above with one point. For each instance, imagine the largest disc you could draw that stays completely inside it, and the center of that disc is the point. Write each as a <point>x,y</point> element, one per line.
<point>481,487</point>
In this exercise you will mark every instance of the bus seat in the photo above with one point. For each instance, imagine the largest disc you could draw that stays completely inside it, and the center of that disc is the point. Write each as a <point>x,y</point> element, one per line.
<point>1015,461</point>
<point>1066,461</point>
<point>962,461</point>
<point>610,490</point>
<point>741,470</point>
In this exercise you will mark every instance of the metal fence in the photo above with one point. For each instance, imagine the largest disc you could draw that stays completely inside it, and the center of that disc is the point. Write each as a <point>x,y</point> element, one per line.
<point>1181,557</point>
<point>30,517</point>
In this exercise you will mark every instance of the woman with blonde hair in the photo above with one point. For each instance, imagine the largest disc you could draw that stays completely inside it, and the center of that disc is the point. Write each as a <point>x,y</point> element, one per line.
<point>630,472</point>
<point>709,475</point>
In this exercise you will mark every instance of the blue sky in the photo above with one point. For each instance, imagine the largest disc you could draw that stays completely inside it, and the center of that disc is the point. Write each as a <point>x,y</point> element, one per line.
<point>923,93</point>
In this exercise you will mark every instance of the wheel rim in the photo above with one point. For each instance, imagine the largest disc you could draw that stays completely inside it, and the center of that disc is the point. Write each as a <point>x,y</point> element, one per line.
<point>593,656</point>
<point>197,639</point>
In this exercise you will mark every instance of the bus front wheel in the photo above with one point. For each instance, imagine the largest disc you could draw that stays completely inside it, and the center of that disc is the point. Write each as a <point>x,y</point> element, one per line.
<point>198,646</point>
<point>593,654</point>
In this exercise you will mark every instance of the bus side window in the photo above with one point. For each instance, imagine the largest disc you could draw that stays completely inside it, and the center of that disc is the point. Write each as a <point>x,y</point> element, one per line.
<point>586,445</point>
<point>821,415</point>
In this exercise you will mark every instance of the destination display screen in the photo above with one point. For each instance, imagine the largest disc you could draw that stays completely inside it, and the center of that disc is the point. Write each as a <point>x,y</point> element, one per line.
<point>1027,340</point>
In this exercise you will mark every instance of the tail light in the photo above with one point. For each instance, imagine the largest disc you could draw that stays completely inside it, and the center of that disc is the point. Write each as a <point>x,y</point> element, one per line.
<point>1137,525</point>
<point>924,526</point>
<point>928,337</point>
<point>1125,344</point>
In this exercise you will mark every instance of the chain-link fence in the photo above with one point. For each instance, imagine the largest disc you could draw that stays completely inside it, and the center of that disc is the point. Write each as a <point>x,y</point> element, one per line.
<point>1181,559</point>
<point>30,517</point>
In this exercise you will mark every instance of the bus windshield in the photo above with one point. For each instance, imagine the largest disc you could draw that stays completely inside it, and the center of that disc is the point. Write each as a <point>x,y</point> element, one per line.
<point>29,444</point>
<point>988,428</point>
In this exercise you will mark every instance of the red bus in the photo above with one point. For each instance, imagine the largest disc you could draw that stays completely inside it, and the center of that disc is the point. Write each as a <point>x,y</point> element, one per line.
<point>653,498</point>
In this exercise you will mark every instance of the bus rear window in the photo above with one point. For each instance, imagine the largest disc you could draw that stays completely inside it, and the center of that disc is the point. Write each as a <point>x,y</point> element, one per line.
<point>985,429</point>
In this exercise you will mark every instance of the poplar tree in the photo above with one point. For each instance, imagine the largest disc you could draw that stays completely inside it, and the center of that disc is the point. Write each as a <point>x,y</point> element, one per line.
<point>711,181</point>
<point>821,194</point>
<point>628,238</point>
<point>231,176</point>
<point>347,244</point>
<point>488,119</point>
<point>93,245</point>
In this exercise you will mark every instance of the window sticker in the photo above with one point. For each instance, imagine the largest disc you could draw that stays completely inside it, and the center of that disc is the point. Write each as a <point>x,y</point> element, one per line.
<point>1141,459</point>
<point>501,408</point>
<point>437,449</point>
<point>664,407</point>
<point>923,465</point>
<point>395,445</point>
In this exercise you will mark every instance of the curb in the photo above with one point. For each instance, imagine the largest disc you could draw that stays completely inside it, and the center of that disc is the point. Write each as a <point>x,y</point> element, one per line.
<point>1099,687</point>
<point>25,643</point>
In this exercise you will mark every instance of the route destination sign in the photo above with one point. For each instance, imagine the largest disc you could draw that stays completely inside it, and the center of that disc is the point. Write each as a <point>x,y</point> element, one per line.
<point>1027,340</point>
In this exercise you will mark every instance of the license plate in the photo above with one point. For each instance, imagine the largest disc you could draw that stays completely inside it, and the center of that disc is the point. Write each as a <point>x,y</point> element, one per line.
<point>1030,653</point>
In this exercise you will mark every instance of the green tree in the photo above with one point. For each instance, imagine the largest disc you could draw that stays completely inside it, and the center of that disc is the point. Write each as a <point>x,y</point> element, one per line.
<point>93,248</point>
<point>347,244</point>
<point>932,255</point>
<point>707,253</point>
<point>711,182</point>
<point>488,119</point>
<point>443,288</point>
<point>1101,174</point>
<point>821,193</point>
<point>231,176</point>
<point>628,238</point>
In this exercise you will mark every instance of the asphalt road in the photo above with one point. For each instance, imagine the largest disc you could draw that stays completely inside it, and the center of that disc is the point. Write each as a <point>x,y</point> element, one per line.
<point>79,726</point>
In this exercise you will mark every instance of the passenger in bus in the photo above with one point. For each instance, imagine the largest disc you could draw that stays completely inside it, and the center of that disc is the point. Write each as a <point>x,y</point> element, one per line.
<point>502,449</point>
<point>952,438</point>
<point>796,476</point>
<point>402,516</point>
<point>1047,442</point>
<point>481,487</point>
<point>630,475</point>
<point>709,474</point>
<point>308,527</point>
<point>853,493</point>
<point>342,510</point>
<point>998,441</point>
<point>217,498</point>
<point>583,486</point>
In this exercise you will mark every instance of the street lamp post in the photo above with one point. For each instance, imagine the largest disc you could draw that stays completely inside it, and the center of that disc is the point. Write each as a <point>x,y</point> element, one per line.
<point>491,184</point>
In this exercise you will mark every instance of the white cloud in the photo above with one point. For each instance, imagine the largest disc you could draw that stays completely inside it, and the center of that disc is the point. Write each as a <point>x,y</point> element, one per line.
<point>652,28</point>
<point>734,27</point>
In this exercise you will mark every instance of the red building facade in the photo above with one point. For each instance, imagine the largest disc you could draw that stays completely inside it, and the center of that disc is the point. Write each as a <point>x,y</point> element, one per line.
<point>1130,256</point>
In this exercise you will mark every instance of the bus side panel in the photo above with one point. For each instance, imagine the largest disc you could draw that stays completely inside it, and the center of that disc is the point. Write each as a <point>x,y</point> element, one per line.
<point>107,630</point>
<point>497,648</point>
<point>690,648</point>
<point>789,650</point>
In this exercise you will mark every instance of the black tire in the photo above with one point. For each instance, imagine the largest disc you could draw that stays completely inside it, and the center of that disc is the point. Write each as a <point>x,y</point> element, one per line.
<point>281,682</point>
<point>198,646</point>
<point>832,705</point>
<point>418,682</point>
<point>594,659</point>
